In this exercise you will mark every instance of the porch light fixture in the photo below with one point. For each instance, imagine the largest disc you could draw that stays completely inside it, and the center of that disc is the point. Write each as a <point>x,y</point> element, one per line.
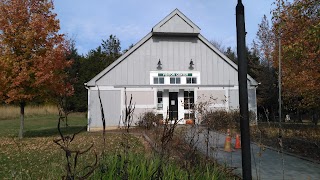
<point>159,67</point>
<point>191,65</point>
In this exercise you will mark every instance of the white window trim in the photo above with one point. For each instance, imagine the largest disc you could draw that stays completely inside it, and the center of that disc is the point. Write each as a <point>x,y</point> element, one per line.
<point>175,80</point>
<point>191,79</point>
<point>183,79</point>
<point>158,80</point>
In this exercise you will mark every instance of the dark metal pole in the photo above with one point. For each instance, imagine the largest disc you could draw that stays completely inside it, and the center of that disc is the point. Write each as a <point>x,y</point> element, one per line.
<point>243,93</point>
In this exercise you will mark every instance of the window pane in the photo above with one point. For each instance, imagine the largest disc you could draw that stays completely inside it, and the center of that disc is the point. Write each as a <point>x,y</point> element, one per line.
<point>172,80</point>
<point>188,80</point>
<point>161,80</point>
<point>186,115</point>
<point>177,80</point>
<point>188,94</point>
<point>191,101</point>
<point>185,104</point>
<point>192,115</point>
<point>194,80</point>
<point>155,80</point>
<point>160,100</point>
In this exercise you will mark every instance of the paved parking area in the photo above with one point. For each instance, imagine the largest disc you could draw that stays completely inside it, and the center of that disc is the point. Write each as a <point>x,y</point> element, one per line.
<point>269,164</point>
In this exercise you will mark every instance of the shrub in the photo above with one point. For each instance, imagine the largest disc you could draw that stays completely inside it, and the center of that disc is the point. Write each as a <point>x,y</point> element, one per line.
<point>221,119</point>
<point>148,120</point>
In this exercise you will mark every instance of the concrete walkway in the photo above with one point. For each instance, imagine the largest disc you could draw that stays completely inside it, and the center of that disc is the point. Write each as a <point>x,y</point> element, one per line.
<point>268,165</point>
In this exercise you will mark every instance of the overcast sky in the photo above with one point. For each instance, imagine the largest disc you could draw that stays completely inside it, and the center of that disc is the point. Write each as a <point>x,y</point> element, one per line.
<point>90,21</point>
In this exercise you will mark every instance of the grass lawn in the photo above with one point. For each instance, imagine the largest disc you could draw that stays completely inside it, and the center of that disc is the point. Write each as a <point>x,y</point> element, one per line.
<point>36,156</point>
<point>41,158</point>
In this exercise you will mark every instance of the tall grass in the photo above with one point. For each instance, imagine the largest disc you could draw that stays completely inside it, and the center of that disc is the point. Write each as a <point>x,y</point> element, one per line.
<point>10,112</point>
<point>143,167</point>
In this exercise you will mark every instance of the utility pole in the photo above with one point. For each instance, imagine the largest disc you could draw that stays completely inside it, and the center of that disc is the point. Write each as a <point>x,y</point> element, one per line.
<point>280,99</point>
<point>279,75</point>
<point>279,82</point>
<point>243,92</point>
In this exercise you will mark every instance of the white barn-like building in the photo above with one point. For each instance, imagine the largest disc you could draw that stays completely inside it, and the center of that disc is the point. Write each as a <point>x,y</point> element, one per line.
<point>170,68</point>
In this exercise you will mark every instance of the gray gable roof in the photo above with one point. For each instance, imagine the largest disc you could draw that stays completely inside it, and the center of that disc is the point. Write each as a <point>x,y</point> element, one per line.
<point>167,26</point>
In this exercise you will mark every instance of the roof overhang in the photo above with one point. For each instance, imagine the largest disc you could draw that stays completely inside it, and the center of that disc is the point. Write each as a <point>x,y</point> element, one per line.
<point>175,34</point>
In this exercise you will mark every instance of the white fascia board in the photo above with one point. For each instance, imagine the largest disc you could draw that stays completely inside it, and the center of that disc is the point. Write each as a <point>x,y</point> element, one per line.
<point>103,88</point>
<point>234,65</point>
<point>93,81</point>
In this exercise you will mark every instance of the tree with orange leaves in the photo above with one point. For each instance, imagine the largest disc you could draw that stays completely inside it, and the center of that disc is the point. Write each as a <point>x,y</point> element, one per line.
<point>298,26</point>
<point>32,53</point>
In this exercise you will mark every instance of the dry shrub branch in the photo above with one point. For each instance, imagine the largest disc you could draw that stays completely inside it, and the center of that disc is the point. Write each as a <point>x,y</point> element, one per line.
<point>72,155</point>
<point>167,133</point>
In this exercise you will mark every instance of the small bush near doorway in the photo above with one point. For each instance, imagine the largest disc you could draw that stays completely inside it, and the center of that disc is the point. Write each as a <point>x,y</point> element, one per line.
<point>149,120</point>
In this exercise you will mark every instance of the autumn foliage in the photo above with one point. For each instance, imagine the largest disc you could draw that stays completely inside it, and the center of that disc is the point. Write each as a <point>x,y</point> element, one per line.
<point>298,25</point>
<point>33,53</point>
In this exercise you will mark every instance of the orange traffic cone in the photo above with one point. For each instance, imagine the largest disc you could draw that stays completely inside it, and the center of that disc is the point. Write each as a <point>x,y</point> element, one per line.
<point>227,144</point>
<point>238,144</point>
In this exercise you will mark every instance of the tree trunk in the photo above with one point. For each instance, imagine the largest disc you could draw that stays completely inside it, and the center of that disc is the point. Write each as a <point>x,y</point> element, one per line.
<point>22,104</point>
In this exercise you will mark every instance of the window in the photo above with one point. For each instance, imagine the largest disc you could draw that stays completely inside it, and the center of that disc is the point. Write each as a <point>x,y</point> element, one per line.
<point>160,100</point>
<point>188,115</point>
<point>188,100</point>
<point>158,80</point>
<point>175,80</point>
<point>191,80</point>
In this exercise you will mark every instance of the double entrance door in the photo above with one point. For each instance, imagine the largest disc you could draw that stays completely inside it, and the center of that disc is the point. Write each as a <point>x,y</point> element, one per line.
<point>179,104</point>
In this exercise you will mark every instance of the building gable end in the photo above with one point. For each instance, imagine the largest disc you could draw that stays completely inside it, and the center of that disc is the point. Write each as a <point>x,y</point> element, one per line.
<point>176,23</point>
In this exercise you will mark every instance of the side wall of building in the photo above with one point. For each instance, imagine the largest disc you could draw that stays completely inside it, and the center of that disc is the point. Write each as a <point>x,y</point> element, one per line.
<point>111,100</point>
<point>114,104</point>
<point>143,99</point>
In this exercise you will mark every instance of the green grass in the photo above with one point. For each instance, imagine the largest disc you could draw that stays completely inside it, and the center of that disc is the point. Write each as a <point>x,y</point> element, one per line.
<point>41,125</point>
<point>142,167</point>
<point>36,156</point>
<point>41,158</point>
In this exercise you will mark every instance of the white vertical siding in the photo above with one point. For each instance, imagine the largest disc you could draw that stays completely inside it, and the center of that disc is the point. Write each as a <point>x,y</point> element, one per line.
<point>175,54</point>
<point>111,110</point>
<point>234,99</point>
